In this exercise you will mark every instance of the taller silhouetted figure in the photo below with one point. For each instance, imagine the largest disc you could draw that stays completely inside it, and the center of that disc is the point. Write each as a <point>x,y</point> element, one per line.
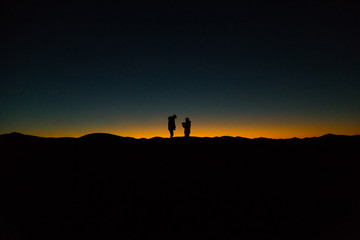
<point>187,125</point>
<point>171,125</point>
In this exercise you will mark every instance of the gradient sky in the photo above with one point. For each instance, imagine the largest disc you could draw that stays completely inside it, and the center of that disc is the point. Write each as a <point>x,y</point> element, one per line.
<point>255,69</point>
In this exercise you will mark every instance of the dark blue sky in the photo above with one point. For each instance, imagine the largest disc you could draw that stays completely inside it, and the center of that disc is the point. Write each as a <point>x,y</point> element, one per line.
<point>251,69</point>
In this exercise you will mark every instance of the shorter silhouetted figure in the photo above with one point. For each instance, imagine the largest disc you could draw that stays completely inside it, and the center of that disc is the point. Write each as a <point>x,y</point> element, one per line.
<point>171,125</point>
<point>187,125</point>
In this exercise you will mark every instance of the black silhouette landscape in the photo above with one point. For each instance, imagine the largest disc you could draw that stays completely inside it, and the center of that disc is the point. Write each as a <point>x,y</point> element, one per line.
<point>101,185</point>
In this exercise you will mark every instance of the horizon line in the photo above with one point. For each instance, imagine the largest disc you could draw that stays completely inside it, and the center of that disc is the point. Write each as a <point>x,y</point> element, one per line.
<point>223,136</point>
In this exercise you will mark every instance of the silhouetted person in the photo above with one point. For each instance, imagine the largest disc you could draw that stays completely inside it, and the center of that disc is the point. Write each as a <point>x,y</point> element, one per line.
<point>187,125</point>
<point>171,125</point>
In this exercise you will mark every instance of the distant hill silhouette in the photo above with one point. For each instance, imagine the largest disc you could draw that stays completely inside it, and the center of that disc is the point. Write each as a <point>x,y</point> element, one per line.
<point>100,136</point>
<point>102,185</point>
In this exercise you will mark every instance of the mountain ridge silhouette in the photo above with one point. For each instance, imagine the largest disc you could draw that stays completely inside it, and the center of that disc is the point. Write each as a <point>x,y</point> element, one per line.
<point>103,185</point>
<point>113,136</point>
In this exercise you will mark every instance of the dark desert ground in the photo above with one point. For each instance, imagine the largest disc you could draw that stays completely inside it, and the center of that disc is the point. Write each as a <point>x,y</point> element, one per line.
<point>104,186</point>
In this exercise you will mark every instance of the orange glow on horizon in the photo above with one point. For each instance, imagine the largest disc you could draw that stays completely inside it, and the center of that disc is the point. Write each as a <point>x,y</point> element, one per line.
<point>254,131</point>
<point>201,127</point>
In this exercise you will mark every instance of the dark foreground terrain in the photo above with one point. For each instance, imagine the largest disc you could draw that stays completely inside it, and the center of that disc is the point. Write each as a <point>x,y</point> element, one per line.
<point>105,187</point>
